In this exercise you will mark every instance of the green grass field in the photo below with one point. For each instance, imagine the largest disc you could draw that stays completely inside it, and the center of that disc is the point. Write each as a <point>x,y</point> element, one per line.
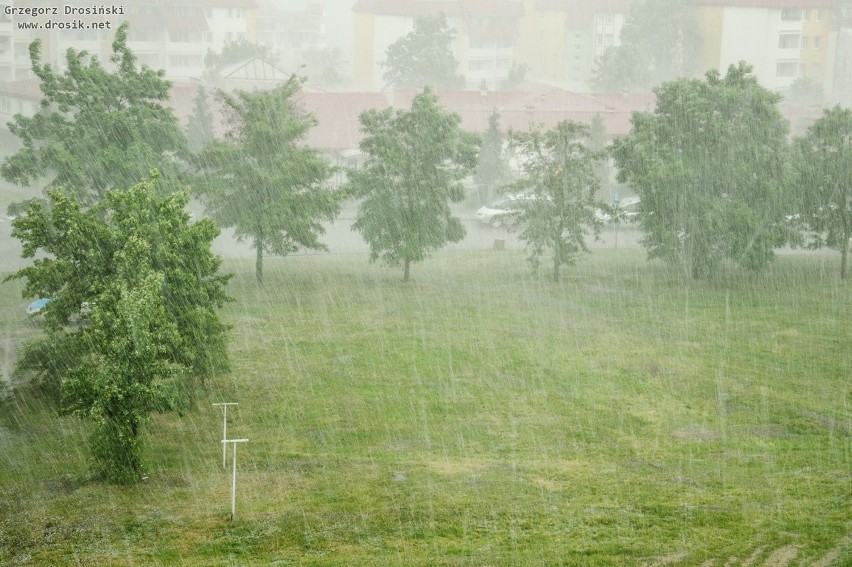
<point>480,415</point>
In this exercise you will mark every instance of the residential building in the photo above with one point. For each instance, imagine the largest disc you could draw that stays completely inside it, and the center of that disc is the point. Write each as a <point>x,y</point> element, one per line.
<point>174,36</point>
<point>841,79</point>
<point>561,40</point>
<point>290,33</point>
<point>782,39</point>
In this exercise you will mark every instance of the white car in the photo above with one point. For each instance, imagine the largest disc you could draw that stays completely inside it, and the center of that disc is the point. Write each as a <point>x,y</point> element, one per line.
<point>501,211</point>
<point>627,210</point>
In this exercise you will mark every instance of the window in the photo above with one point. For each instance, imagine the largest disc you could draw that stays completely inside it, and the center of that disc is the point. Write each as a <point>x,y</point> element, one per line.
<point>185,36</point>
<point>180,60</point>
<point>819,14</point>
<point>817,42</point>
<point>791,14</point>
<point>787,68</point>
<point>480,64</point>
<point>804,42</point>
<point>789,41</point>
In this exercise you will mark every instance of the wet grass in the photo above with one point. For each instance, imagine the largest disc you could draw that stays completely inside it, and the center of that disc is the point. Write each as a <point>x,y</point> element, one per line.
<point>479,415</point>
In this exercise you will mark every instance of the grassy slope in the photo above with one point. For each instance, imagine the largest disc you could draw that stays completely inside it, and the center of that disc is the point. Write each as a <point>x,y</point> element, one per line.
<point>478,416</point>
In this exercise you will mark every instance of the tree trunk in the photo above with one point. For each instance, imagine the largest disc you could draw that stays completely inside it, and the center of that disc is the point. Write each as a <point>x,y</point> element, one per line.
<point>844,253</point>
<point>258,264</point>
<point>405,273</point>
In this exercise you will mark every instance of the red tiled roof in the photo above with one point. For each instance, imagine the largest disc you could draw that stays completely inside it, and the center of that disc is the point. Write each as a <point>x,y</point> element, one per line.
<point>536,105</point>
<point>339,127</point>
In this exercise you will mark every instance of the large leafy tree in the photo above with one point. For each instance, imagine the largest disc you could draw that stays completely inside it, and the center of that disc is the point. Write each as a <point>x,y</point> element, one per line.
<point>262,180</point>
<point>416,160</point>
<point>97,129</point>
<point>492,167</point>
<point>424,57</point>
<point>558,174</point>
<point>824,181</point>
<point>147,287</point>
<point>709,165</point>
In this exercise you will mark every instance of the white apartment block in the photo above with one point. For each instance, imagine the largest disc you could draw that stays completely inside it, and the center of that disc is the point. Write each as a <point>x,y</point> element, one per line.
<point>174,36</point>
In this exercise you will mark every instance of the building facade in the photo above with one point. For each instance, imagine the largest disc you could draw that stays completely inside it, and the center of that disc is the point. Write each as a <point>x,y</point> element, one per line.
<point>174,36</point>
<point>783,39</point>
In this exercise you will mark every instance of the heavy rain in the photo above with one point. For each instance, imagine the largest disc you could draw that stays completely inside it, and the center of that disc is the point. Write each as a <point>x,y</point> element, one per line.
<point>426,282</point>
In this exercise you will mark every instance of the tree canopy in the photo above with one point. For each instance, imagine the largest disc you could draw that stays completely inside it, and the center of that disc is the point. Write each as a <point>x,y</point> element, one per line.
<point>710,167</point>
<point>96,129</point>
<point>416,160</point>
<point>492,167</point>
<point>199,128</point>
<point>133,290</point>
<point>823,182</point>
<point>324,67</point>
<point>262,180</point>
<point>660,41</point>
<point>558,174</point>
<point>424,57</point>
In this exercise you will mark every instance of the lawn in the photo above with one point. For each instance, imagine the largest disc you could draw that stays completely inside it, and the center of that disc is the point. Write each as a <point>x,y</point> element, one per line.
<point>479,415</point>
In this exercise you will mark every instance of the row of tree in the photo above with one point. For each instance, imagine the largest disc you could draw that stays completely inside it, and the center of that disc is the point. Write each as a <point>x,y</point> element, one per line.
<point>717,177</point>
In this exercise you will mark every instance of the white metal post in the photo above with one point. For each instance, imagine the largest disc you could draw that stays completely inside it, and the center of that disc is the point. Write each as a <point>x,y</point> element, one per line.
<point>224,407</point>
<point>234,474</point>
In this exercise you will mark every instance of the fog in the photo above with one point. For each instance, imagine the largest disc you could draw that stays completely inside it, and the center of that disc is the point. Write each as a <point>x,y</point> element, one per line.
<point>510,282</point>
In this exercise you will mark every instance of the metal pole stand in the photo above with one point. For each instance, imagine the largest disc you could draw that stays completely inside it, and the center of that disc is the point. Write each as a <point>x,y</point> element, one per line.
<point>234,475</point>
<point>224,407</point>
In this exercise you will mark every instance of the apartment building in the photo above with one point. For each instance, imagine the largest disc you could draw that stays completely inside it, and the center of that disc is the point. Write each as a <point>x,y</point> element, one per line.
<point>561,40</point>
<point>841,82</point>
<point>174,36</point>
<point>783,39</point>
<point>290,33</point>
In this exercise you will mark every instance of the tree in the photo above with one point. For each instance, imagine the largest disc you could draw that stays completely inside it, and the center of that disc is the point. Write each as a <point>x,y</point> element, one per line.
<point>146,286</point>
<point>415,163</point>
<point>558,173</point>
<point>424,57</point>
<point>623,67</point>
<point>660,41</point>
<point>91,120</point>
<point>199,129</point>
<point>492,168</point>
<point>709,166</point>
<point>598,142</point>
<point>516,77</point>
<point>262,180</point>
<point>806,91</point>
<point>824,181</point>
<point>324,67</point>
<point>234,52</point>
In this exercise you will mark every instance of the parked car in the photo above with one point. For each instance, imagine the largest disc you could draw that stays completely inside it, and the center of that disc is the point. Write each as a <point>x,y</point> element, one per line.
<point>501,210</point>
<point>627,210</point>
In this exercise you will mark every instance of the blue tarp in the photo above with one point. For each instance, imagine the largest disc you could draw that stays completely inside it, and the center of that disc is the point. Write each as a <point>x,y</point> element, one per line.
<point>37,306</point>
